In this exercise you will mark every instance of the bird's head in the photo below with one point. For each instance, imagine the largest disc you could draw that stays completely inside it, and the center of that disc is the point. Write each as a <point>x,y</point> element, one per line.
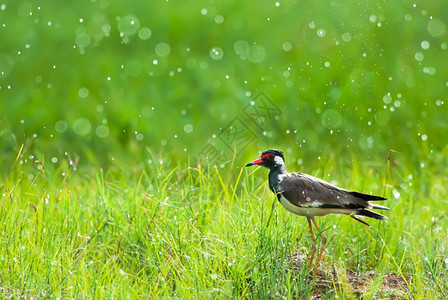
<point>270,159</point>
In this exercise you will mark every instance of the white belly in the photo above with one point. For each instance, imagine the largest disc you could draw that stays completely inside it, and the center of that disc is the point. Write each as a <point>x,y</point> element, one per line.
<point>312,211</point>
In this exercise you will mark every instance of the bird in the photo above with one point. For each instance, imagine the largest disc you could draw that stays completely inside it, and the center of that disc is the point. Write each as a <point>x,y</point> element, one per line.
<point>309,196</point>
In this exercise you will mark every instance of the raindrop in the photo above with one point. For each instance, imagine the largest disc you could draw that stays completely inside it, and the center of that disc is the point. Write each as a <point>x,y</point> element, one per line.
<point>83,40</point>
<point>331,118</point>
<point>241,48</point>
<point>102,131</point>
<point>256,54</point>
<point>312,25</point>
<point>163,49</point>
<point>419,56</point>
<point>82,126</point>
<point>424,137</point>
<point>287,46</point>
<point>436,27</point>
<point>83,92</point>
<point>128,25</point>
<point>429,70</point>
<point>144,33</point>
<point>219,19</point>
<point>61,126</point>
<point>188,128</point>
<point>54,160</point>
<point>346,37</point>
<point>321,32</point>
<point>425,45</point>
<point>216,53</point>
<point>387,98</point>
<point>327,64</point>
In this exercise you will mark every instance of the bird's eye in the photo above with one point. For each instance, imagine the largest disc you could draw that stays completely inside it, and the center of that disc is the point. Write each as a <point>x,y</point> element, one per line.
<point>271,156</point>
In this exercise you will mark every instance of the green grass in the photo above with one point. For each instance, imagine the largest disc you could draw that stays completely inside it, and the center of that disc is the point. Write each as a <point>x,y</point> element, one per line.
<point>89,102</point>
<point>167,231</point>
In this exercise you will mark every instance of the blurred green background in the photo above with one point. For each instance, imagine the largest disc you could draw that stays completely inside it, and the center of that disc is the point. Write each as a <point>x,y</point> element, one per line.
<point>107,80</point>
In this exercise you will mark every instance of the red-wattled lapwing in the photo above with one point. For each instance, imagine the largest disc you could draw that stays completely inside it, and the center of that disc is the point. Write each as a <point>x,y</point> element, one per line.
<point>309,196</point>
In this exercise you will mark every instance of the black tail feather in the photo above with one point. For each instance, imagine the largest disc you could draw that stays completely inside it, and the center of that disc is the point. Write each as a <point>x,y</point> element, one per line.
<point>367,197</point>
<point>376,206</point>
<point>359,220</point>
<point>370,214</point>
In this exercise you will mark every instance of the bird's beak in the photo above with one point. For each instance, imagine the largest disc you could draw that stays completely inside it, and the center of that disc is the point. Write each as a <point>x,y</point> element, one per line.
<point>258,161</point>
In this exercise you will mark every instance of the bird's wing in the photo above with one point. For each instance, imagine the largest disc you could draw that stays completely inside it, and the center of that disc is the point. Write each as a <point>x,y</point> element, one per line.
<point>307,191</point>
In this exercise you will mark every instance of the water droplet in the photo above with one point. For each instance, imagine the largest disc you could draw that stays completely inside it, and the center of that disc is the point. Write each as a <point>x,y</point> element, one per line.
<point>346,37</point>
<point>419,56</point>
<point>128,25</point>
<point>144,33</point>
<point>83,92</point>
<point>425,45</point>
<point>287,46</point>
<point>82,126</point>
<point>163,49</point>
<point>219,19</point>
<point>241,48</point>
<point>188,128</point>
<point>102,131</point>
<point>321,32</point>
<point>256,54</point>
<point>387,98</point>
<point>331,118</point>
<point>436,27</point>
<point>216,53</point>
<point>61,126</point>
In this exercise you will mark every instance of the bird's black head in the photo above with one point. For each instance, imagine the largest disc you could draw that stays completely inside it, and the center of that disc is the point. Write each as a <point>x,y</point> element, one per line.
<point>270,159</point>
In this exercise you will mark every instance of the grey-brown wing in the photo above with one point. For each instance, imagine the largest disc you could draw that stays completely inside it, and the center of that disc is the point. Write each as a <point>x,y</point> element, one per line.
<point>305,190</point>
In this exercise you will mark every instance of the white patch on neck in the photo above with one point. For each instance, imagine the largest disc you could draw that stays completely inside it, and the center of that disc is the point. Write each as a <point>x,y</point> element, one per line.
<point>279,161</point>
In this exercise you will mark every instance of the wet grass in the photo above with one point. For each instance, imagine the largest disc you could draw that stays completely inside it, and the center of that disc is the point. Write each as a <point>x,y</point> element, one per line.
<point>205,232</point>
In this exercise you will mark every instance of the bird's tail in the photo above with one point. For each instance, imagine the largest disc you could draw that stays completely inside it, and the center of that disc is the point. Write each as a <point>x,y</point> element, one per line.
<point>371,214</point>
<point>367,197</point>
<point>376,206</point>
<point>368,213</point>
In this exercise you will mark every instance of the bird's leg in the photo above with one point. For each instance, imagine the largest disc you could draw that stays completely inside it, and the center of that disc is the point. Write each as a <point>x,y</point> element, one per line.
<point>313,237</point>
<point>322,248</point>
